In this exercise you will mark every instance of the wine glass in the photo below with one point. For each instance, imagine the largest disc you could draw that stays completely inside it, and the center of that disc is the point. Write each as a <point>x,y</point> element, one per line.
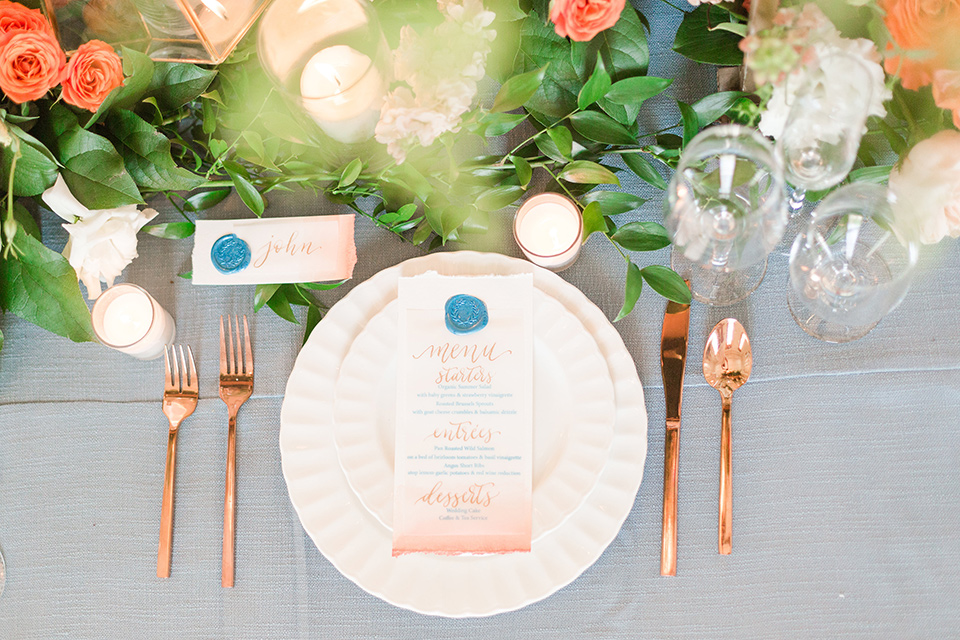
<point>848,267</point>
<point>725,212</point>
<point>823,130</point>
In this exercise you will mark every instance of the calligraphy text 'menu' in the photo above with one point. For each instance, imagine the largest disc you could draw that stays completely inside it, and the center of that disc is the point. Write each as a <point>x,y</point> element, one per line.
<point>473,352</point>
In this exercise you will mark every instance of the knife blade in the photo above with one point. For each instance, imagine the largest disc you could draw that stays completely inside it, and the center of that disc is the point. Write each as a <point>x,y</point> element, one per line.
<point>673,357</point>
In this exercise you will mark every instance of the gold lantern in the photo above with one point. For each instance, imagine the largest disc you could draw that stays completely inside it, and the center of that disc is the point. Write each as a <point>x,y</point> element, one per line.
<point>202,31</point>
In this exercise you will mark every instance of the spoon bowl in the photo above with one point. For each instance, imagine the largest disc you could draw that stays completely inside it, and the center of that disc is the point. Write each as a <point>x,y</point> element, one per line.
<point>727,363</point>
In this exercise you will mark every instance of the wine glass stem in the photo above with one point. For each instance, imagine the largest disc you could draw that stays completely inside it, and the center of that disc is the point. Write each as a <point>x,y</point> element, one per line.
<point>797,197</point>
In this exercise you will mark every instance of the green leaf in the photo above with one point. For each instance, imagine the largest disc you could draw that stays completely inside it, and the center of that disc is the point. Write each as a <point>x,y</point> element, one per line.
<point>667,283</point>
<point>171,230</point>
<point>563,139</point>
<point>41,287</point>
<point>248,193</point>
<point>897,142</point>
<point>613,202</point>
<point>93,169</point>
<point>540,46</point>
<point>876,175</point>
<point>262,293</point>
<point>176,83</point>
<point>422,233</point>
<point>595,87</point>
<point>634,91</point>
<point>641,236</point>
<point>498,124</point>
<point>313,319</point>
<point>350,172</point>
<point>691,123</point>
<point>523,169</point>
<point>631,292</point>
<point>710,108</point>
<point>548,147</point>
<point>517,90</point>
<point>186,275</point>
<point>737,28</point>
<point>206,199</point>
<point>643,169</point>
<point>593,220</point>
<point>587,172</point>
<point>452,217</point>
<point>498,197</point>
<point>36,169</point>
<point>696,41</point>
<point>321,286</point>
<point>600,127</point>
<point>146,154</point>
<point>26,221</point>
<point>281,306</point>
<point>138,67</point>
<point>623,47</point>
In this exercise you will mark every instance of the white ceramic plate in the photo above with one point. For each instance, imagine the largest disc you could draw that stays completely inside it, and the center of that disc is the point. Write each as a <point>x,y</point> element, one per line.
<point>573,411</point>
<point>359,546</point>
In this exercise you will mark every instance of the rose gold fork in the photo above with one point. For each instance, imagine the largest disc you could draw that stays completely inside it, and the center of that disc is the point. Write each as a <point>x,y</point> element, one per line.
<point>236,385</point>
<point>180,394</point>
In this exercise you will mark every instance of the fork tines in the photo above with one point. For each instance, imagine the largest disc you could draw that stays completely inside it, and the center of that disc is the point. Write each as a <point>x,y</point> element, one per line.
<point>237,360</point>
<point>179,377</point>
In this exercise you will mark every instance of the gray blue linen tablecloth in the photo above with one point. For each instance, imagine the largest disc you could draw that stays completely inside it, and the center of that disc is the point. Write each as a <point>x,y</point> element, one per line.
<point>846,471</point>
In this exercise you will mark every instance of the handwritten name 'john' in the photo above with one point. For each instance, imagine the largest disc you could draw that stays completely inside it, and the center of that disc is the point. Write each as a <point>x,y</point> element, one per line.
<point>277,246</point>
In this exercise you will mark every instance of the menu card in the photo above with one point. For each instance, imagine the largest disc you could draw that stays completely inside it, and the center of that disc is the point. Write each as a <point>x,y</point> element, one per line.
<point>464,435</point>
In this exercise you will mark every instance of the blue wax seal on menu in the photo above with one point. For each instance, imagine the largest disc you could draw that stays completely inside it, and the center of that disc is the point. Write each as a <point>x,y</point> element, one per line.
<point>465,314</point>
<point>230,254</point>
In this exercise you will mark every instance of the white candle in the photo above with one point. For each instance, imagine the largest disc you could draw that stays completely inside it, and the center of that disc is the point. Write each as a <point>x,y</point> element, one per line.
<point>548,228</point>
<point>343,92</point>
<point>128,319</point>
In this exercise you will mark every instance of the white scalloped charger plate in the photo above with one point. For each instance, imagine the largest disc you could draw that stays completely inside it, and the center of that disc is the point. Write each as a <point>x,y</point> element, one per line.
<point>359,546</point>
<point>573,413</point>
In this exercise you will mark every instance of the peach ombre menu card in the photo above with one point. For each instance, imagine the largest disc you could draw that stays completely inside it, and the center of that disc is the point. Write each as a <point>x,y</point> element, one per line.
<point>464,435</point>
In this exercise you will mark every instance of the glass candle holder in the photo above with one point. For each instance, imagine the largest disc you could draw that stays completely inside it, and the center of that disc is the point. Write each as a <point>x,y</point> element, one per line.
<point>128,319</point>
<point>549,228</point>
<point>328,57</point>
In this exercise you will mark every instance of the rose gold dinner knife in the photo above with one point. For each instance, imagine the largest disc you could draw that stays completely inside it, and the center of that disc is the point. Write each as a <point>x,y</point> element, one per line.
<point>673,357</point>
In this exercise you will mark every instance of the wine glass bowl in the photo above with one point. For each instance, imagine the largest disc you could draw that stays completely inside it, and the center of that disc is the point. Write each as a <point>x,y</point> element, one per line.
<point>725,212</point>
<point>848,267</point>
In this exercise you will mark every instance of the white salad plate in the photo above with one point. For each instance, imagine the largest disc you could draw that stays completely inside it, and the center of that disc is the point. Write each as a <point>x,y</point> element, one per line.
<point>573,413</point>
<point>359,543</point>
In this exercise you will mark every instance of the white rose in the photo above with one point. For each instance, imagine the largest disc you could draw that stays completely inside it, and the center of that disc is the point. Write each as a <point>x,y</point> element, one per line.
<point>926,189</point>
<point>102,242</point>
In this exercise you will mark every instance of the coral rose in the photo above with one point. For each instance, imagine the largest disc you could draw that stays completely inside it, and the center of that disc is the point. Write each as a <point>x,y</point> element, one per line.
<point>946,92</point>
<point>583,19</point>
<point>923,25</point>
<point>16,17</point>
<point>94,71</point>
<point>31,63</point>
<point>926,189</point>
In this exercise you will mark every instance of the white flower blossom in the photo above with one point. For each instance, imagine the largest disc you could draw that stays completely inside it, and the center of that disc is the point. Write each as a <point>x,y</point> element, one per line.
<point>441,71</point>
<point>829,74</point>
<point>102,242</point>
<point>926,190</point>
<point>697,3</point>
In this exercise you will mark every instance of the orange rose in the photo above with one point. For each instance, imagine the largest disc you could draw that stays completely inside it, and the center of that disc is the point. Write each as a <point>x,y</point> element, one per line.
<point>946,92</point>
<point>94,71</point>
<point>31,63</point>
<point>16,17</point>
<point>583,19</point>
<point>923,25</point>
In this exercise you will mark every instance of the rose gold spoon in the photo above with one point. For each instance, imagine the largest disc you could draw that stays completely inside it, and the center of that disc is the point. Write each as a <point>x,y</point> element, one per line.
<point>727,361</point>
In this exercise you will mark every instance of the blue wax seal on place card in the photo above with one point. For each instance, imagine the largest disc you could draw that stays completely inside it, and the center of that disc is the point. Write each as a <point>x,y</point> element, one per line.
<point>465,314</point>
<point>230,254</point>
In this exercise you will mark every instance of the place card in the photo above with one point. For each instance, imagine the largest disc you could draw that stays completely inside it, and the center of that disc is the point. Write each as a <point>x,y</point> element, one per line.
<point>464,431</point>
<point>274,250</point>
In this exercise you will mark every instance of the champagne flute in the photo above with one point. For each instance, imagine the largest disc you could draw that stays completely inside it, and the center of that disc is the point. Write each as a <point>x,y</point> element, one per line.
<point>725,212</point>
<point>848,267</point>
<point>822,133</point>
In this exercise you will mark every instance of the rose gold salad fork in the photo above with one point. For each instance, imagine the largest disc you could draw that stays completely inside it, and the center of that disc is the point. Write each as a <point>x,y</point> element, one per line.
<point>236,385</point>
<point>180,394</point>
